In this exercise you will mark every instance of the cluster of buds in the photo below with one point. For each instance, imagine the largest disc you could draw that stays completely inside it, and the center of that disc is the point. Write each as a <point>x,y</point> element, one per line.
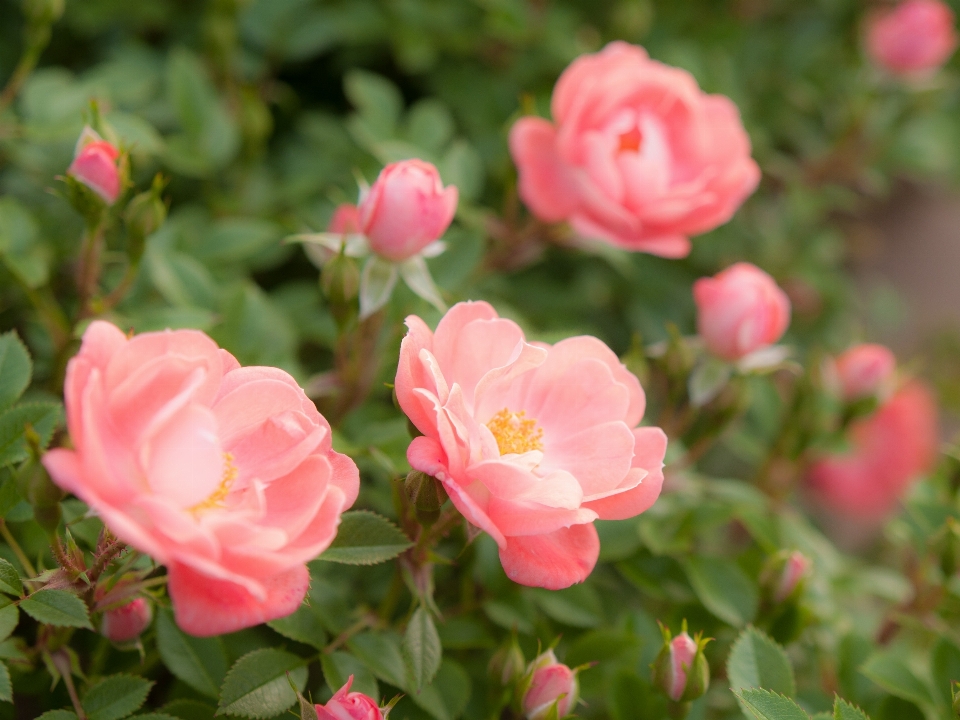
<point>782,581</point>
<point>681,670</point>
<point>544,689</point>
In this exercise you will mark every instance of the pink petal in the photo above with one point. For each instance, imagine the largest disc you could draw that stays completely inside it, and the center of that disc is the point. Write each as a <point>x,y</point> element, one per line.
<point>548,185</point>
<point>650,447</point>
<point>553,561</point>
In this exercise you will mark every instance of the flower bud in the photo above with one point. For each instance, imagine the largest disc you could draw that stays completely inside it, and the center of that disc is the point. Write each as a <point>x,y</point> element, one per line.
<point>95,166</point>
<point>863,370</point>
<point>507,664</point>
<point>346,705</point>
<point>406,209</point>
<point>345,220</point>
<point>912,39</point>
<point>426,493</point>
<point>125,623</point>
<point>545,684</point>
<point>144,215</point>
<point>680,669</point>
<point>739,310</point>
<point>340,281</point>
<point>791,571</point>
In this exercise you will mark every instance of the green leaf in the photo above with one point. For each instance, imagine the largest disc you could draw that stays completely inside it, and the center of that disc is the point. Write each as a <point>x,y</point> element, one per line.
<point>20,249</point>
<point>200,662</point>
<point>421,648</point>
<point>376,99</point>
<point>44,417</point>
<point>10,579</point>
<point>447,696</point>
<point>707,380</point>
<point>338,666</point>
<point>257,685</point>
<point>6,687</point>
<point>756,660</point>
<point>577,606</point>
<point>15,369</point>
<point>58,715</point>
<point>890,671</point>
<point>766,705</point>
<point>189,710</point>
<point>945,666</point>
<point>9,617</point>
<point>842,710</point>
<point>723,588</point>
<point>382,655</point>
<point>57,607</point>
<point>115,697</point>
<point>304,626</point>
<point>365,538</point>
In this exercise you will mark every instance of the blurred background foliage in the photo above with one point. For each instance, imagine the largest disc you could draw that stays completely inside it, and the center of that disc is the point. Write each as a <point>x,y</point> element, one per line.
<point>262,113</point>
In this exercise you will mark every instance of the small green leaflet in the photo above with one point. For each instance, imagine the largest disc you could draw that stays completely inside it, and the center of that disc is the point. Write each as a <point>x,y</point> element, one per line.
<point>723,588</point>
<point>200,662</point>
<point>42,416</point>
<point>257,685</point>
<point>421,649</point>
<point>365,538</point>
<point>766,705</point>
<point>10,582</point>
<point>57,607</point>
<point>842,710</point>
<point>15,369</point>
<point>304,626</point>
<point>115,697</point>
<point>757,661</point>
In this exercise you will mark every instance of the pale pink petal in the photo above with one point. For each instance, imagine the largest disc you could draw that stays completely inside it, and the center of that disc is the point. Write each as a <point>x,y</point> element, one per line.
<point>547,184</point>
<point>553,561</point>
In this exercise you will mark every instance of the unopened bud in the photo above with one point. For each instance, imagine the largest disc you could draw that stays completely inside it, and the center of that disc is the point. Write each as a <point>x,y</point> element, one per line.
<point>125,623</point>
<point>340,281</point>
<point>791,576</point>
<point>680,669</point>
<point>548,688</point>
<point>95,166</point>
<point>144,215</point>
<point>426,494</point>
<point>507,664</point>
<point>862,371</point>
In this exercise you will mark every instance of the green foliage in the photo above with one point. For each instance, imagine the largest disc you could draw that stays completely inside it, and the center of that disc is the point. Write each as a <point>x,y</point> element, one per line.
<point>365,538</point>
<point>257,685</point>
<point>10,582</point>
<point>756,661</point>
<point>199,662</point>
<point>59,608</point>
<point>15,369</point>
<point>766,705</point>
<point>115,697</point>
<point>421,648</point>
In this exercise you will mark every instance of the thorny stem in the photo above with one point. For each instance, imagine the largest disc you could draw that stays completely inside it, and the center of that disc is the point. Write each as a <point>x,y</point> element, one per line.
<point>88,269</point>
<point>120,291</point>
<point>61,661</point>
<point>17,550</point>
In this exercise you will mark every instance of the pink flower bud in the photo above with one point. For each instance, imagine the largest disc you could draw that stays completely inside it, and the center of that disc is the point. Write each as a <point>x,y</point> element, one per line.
<point>125,624</point>
<point>345,220</point>
<point>346,705</point>
<point>863,369</point>
<point>914,38</point>
<point>406,209</point>
<point>95,165</point>
<point>548,682</point>
<point>680,669</point>
<point>793,572</point>
<point>682,651</point>
<point>741,309</point>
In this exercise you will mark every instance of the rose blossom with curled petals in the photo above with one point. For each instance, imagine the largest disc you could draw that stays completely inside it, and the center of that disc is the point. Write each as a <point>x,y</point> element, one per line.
<point>532,442</point>
<point>637,155</point>
<point>346,705</point>
<point>863,369</point>
<point>914,38</point>
<point>739,310</point>
<point>406,209</point>
<point>889,450</point>
<point>222,473</point>
<point>546,683</point>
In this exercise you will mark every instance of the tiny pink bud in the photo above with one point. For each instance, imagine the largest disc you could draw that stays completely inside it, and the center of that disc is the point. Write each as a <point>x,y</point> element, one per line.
<point>682,651</point>
<point>345,220</point>
<point>125,624</point>
<point>549,684</point>
<point>739,310</point>
<point>346,705</point>
<point>863,369</point>
<point>95,165</point>
<point>406,209</point>
<point>794,571</point>
<point>914,38</point>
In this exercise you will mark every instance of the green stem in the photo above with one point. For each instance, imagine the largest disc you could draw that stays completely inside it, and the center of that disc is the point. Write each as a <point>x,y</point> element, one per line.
<point>49,311</point>
<point>28,61</point>
<point>117,295</point>
<point>17,550</point>
<point>88,269</point>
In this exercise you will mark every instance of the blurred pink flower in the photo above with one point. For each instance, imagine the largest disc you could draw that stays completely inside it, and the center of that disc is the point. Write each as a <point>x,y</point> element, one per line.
<point>794,570</point>
<point>547,682</point>
<point>406,209</point>
<point>345,220</point>
<point>863,369</point>
<point>739,310</point>
<point>637,156</point>
<point>224,474</point>
<point>532,442</point>
<point>127,622</point>
<point>346,705</point>
<point>889,450</point>
<point>95,165</point>
<point>914,38</point>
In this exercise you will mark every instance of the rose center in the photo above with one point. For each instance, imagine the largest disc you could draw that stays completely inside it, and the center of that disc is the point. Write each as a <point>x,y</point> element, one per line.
<point>223,489</point>
<point>514,433</point>
<point>631,140</point>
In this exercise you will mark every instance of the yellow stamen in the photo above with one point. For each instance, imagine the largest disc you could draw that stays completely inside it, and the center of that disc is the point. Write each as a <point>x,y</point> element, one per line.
<point>223,489</point>
<point>514,434</point>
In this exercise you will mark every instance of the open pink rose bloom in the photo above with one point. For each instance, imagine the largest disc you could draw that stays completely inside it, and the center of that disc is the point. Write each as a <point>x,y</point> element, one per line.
<point>532,442</point>
<point>222,473</point>
<point>637,155</point>
<point>914,38</point>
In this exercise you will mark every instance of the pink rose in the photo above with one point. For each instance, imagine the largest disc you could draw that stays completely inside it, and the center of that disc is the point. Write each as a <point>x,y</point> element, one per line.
<point>914,38</point>
<point>638,155</point>
<point>889,450</point>
<point>345,220</point>
<point>224,474</point>
<point>346,705</point>
<point>127,622</point>
<point>406,209</point>
<point>740,310</point>
<point>863,369</point>
<point>682,651</point>
<point>547,682</point>
<point>95,165</point>
<point>532,442</point>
